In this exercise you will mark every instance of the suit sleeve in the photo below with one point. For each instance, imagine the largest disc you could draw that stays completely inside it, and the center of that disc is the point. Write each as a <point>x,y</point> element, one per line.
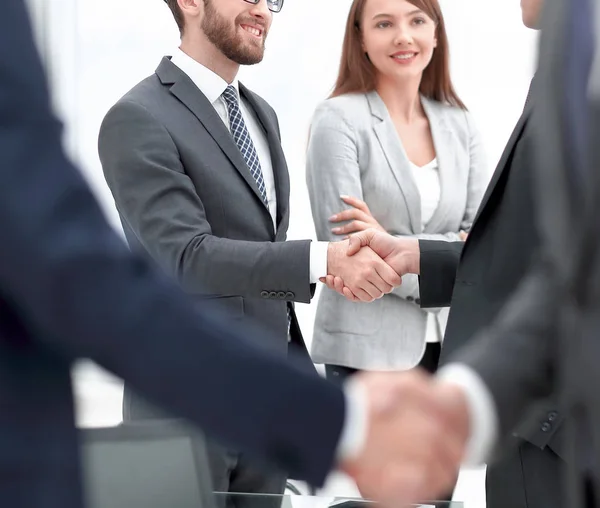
<point>439,263</point>
<point>160,204</point>
<point>79,291</point>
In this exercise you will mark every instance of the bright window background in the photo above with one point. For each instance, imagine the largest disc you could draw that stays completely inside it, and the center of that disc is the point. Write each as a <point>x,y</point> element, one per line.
<point>96,50</point>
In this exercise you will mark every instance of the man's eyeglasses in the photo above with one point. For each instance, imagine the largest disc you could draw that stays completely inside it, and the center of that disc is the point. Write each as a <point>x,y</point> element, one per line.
<point>273,5</point>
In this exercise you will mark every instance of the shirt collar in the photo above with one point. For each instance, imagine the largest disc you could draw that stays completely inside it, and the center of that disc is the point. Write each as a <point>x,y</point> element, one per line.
<point>210,84</point>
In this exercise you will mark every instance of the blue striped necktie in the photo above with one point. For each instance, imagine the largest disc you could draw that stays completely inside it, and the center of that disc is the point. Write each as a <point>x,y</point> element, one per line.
<point>244,142</point>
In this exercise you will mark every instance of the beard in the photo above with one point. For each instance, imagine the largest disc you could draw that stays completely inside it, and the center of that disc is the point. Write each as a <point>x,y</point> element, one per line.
<point>225,38</point>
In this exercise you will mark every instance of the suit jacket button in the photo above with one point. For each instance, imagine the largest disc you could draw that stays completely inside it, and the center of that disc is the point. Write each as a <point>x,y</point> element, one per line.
<point>552,416</point>
<point>289,295</point>
<point>281,295</point>
<point>272,294</point>
<point>418,301</point>
<point>264,294</point>
<point>409,298</point>
<point>546,427</point>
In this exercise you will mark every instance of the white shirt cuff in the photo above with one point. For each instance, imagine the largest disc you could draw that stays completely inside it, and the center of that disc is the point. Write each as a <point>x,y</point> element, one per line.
<point>482,412</point>
<point>354,433</point>
<point>318,261</point>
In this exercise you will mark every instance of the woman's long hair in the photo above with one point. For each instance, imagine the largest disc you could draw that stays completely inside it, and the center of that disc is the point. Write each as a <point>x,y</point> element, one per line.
<point>358,75</point>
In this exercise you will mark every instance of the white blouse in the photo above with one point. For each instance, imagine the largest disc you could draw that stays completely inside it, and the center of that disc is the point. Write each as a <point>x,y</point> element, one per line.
<point>427,178</point>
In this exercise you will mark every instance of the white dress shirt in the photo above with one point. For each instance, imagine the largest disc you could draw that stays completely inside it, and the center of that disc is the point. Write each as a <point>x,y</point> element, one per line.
<point>427,178</point>
<point>212,86</point>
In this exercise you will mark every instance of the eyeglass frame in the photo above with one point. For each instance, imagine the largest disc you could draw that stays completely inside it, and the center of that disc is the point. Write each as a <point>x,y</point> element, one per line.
<point>268,4</point>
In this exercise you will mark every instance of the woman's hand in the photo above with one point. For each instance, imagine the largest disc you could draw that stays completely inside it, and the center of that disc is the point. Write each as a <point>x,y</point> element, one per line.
<point>359,215</point>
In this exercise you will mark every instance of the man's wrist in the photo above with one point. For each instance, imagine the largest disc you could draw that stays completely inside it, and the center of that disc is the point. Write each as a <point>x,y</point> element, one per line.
<point>334,251</point>
<point>408,257</point>
<point>457,404</point>
<point>415,253</point>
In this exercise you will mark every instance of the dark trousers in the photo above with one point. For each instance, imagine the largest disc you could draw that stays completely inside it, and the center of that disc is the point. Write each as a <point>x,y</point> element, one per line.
<point>231,471</point>
<point>234,473</point>
<point>429,362</point>
<point>590,495</point>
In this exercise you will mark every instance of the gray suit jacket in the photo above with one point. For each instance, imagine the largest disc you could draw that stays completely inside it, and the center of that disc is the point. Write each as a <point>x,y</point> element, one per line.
<point>354,149</point>
<point>186,197</point>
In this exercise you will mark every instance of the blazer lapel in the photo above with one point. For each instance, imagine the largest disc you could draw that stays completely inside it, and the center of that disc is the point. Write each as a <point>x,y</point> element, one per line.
<point>280,170</point>
<point>390,142</point>
<point>443,141</point>
<point>182,87</point>
<point>506,156</point>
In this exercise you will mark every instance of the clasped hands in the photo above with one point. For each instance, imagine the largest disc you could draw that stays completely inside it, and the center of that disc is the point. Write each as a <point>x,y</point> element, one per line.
<point>417,431</point>
<point>369,262</point>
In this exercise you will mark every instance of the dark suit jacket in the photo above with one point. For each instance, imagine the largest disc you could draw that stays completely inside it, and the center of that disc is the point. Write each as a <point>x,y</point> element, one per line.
<point>547,337</point>
<point>70,288</point>
<point>477,279</point>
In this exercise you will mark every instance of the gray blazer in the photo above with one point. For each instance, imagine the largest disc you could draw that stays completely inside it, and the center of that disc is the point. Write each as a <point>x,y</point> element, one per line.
<point>354,149</point>
<point>186,198</point>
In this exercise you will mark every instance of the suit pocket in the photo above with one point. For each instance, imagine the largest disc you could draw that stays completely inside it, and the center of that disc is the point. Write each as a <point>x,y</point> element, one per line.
<point>338,315</point>
<point>231,307</point>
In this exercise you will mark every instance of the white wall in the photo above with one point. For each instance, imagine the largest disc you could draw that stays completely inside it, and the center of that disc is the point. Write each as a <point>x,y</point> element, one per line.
<point>99,49</point>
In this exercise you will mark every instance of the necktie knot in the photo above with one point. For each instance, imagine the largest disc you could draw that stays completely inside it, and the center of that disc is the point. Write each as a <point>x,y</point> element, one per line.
<point>230,96</point>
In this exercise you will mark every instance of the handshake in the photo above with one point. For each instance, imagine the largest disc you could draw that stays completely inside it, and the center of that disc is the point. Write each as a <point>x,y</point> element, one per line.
<point>416,435</point>
<point>370,263</point>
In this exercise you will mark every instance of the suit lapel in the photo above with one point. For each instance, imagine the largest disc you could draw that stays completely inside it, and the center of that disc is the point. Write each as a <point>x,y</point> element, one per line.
<point>390,142</point>
<point>444,145</point>
<point>182,87</point>
<point>505,158</point>
<point>280,170</point>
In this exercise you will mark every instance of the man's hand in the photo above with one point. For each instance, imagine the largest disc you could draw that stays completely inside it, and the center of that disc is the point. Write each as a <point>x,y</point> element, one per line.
<point>416,438</point>
<point>365,274</point>
<point>402,254</point>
